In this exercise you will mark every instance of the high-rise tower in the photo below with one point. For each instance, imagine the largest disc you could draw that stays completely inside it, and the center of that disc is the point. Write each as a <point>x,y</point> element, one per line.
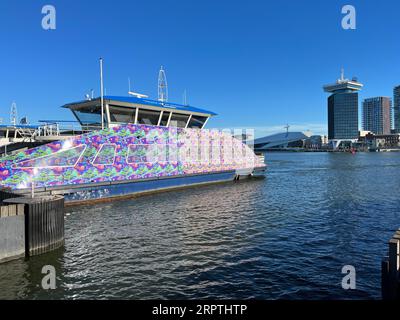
<point>343,108</point>
<point>377,115</point>
<point>396,108</point>
<point>162,86</point>
<point>13,114</point>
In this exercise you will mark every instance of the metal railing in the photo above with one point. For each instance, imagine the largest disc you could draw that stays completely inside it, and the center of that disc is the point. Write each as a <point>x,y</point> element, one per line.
<point>260,158</point>
<point>65,128</point>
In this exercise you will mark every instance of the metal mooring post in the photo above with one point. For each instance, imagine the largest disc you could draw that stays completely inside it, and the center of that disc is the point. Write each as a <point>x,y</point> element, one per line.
<point>33,189</point>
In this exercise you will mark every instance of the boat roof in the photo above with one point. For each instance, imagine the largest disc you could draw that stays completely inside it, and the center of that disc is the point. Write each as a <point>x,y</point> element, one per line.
<point>146,102</point>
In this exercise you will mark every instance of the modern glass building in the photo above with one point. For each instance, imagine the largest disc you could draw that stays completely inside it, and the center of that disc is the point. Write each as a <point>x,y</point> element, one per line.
<point>396,108</point>
<point>343,109</point>
<point>377,115</point>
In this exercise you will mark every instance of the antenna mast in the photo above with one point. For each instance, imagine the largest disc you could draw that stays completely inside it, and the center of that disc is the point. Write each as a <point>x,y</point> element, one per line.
<point>287,130</point>
<point>342,78</point>
<point>162,86</point>
<point>13,114</point>
<point>184,98</point>
<point>101,93</point>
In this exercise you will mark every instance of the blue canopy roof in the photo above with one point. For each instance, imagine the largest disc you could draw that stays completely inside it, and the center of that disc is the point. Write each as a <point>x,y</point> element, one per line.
<point>154,103</point>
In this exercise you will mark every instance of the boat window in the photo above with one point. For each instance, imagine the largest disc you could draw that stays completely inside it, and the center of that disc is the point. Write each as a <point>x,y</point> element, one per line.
<point>64,159</point>
<point>192,154</point>
<point>204,152</point>
<point>173,153</point>
<point>149,117</point>
<point>216,154</point>
<point>197,122</point>
<point>238,153</point>
<point>215,150</point>
<point>179,120</point>
<point>146,153</point>
<point>164,118</point>
<point>122,114</point>
<point>106,155</point>
<point>227,151</point>
<point>90,115</point>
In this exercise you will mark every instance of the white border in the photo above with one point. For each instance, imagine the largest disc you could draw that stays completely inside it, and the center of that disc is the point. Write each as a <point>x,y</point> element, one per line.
<point>14,166</point>
<point>98,152</point>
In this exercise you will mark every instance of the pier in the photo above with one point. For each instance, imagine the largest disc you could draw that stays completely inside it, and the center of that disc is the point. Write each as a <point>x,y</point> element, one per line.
<point>30,226</point>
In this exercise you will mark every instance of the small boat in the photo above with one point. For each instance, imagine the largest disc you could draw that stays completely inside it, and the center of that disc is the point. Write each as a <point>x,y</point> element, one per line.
<point>126,146</point>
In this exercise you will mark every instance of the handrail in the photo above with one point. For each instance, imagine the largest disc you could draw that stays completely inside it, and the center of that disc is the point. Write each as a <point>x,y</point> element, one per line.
<point>57,129</point>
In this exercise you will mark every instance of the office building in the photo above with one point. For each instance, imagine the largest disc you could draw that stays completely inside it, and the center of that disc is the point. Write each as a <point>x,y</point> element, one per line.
<point>396,109</point>
<point>343,109</point>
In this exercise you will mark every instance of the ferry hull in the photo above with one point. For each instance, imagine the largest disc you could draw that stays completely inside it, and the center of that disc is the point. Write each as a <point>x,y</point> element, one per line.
<point>80,195</point>
<point>139,188</point>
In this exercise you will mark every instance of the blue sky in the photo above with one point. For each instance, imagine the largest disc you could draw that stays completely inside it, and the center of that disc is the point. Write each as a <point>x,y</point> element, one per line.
<point>258,64</point>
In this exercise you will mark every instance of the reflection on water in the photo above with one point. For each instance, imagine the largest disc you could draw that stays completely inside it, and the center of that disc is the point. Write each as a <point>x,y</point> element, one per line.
<point>287,236</point>
<point>21,279</point>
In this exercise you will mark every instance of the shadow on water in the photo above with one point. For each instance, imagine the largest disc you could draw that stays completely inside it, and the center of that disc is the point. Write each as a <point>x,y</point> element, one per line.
<point>22,278</point>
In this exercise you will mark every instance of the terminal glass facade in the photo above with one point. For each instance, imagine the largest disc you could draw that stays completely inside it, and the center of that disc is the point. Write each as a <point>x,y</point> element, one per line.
<point>343,115</point>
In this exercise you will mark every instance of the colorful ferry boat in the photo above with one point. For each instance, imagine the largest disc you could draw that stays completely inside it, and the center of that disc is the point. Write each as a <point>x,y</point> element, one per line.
<point>123,146</point>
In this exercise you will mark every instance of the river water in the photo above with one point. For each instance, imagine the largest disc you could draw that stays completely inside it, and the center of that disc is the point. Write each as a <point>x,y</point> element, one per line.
<point>284,237</point>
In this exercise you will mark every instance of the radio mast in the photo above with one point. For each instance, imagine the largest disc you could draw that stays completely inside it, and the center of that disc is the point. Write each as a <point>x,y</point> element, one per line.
<point>184,98</point>
<point>287,130</point>
<point>162,86</point>
<point>13,114</point>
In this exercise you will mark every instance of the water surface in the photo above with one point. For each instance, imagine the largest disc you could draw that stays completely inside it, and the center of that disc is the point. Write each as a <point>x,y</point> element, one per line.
<point>285,237</point>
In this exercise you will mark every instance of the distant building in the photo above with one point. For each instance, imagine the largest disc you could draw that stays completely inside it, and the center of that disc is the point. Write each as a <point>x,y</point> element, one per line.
<point>286,140</point>
<point>314,142</point>
<point>363,133</point>
<point>396,109</point>
<point>343,109</point>
<point>381,140</point>
<point>377,115</point>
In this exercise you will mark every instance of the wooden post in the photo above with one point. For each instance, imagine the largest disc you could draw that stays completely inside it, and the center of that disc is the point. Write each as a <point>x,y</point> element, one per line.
<point>3,211</point>
<point>394,256</point>
<point>385,282</point>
